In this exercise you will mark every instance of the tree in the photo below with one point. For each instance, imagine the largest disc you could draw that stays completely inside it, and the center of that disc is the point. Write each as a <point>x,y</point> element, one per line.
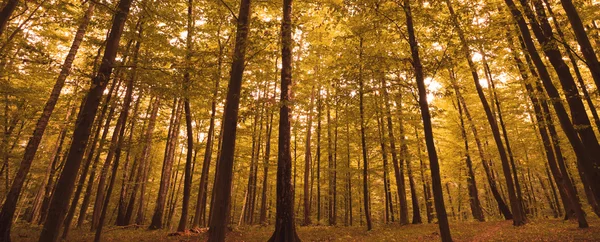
<point>220,208</point>
<point>426,116</point>
<point>285,225</point>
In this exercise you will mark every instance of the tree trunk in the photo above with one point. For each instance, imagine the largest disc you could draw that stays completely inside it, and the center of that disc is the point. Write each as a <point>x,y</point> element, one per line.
<point>307,159</point>
<point>66,182</point>
<point>363,138</point>
<point>285,226</point>
<point>187,183</point>
<point>424,106</point>
<point>220,208</point>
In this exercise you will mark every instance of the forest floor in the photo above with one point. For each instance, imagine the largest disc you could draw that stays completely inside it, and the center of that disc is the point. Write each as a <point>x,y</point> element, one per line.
<point>535,230</point>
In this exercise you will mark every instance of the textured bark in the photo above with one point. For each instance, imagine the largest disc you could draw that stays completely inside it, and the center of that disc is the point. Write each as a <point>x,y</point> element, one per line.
<point>222,187</point>
<point>66,182</point>
<point>10,203</point>
<point>285,225</point>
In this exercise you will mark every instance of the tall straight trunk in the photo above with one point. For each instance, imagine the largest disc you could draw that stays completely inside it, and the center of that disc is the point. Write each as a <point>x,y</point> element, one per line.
<point>104,175</point>
<point>349,173</point>
<point>307,159</point>
<point>319,110</point>
<point>6,13</point>
<point>363,138</point>
<point>494,96</point>
<point>584,151</point>
<point>405,160</point>
<point>330,163</point>
<point>187,183</point>
<point>222,187</point>
<point>11,200</point>
<point>428,129</point>
<point>519,218</point>
<point>398,167</point>
<point>389,205</point>
<point>165,178</point>
<point>127,105</point>
<point>474,202</point>
<point>285,226</point>
<point>582,39</point>
<point>66,182</point>
<point>426,187</point>
<point>263,200</point>
<point>94,160</point>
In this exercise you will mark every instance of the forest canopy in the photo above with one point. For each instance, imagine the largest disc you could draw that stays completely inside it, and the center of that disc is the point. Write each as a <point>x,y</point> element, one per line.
<point>252,120</point>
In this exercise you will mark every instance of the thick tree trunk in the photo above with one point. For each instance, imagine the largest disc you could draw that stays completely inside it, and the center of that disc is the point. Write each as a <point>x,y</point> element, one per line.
<point>66,182</point>
<point>222,187</point>
<point>285,226</point>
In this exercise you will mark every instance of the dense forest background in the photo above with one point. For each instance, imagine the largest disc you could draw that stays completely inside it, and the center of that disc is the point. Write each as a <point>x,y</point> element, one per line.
<point>187,115</point>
